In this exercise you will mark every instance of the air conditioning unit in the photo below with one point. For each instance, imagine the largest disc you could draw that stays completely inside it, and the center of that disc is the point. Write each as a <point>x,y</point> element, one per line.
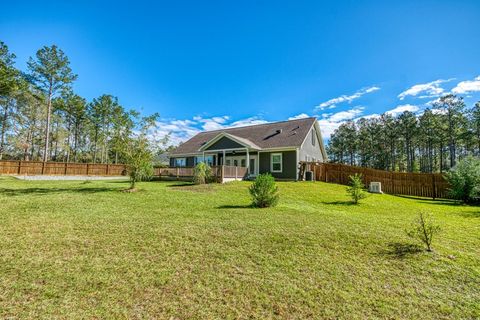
<point>375,187</point>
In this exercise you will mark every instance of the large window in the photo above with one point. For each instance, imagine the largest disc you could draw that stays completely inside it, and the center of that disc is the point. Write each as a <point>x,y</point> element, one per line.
<point>276,162</point>
<point>208,160</point>
<point>180,162</point>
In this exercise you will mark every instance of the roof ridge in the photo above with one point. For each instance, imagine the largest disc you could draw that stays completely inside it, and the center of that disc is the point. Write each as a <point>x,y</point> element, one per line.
<point>257,125</point>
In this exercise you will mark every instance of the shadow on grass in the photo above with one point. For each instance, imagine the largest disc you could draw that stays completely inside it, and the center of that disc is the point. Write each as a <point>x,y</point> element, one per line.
<point>181,184</point>
<point>340,203</point>
<point>235,206</point>
<point>401,250</point>
<point>431,201</point>
<point>45,191</point>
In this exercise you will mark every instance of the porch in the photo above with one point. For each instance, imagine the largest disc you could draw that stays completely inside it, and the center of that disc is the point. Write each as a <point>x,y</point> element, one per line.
<point>221,173</point>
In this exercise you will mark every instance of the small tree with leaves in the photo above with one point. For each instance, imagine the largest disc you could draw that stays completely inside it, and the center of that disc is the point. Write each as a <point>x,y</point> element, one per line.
<point>356,190</point>
<point>423,229</point>
<point>138,153</point>
<point>264,191</point>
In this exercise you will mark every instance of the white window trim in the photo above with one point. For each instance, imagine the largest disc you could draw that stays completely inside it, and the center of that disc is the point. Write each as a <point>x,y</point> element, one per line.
<point>281,162</point>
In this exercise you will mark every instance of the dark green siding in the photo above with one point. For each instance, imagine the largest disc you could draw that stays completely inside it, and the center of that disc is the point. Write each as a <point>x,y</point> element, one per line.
<point>225,143</point>
<point>189,161</point>
<point>289,163</point>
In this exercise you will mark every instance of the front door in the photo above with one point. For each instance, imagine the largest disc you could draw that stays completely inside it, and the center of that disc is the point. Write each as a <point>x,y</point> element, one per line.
<point>252,166</point>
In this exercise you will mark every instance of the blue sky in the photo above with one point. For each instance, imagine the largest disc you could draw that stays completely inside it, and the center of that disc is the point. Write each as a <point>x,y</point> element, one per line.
<point>211,64</point>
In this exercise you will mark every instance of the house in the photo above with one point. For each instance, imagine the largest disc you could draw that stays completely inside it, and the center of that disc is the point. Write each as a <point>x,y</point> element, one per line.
<point>275,147</point>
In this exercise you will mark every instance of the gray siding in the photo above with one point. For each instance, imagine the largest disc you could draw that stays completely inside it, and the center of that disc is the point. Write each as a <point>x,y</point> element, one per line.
<point>289,164</point>
<point>225,143</point>
<point>310,150</point>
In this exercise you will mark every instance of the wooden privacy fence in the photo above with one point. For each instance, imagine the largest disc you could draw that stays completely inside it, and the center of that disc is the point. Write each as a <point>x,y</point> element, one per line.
<point>221,173</point>
<point>60,168</point>
<point>432,185</point>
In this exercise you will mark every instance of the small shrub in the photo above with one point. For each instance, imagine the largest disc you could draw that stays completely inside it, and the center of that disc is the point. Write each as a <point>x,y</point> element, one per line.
<point>202,173</point>
<point>264,191</point>
<point>464,180</point>
<point>356,190</point>
<point>423,229</point>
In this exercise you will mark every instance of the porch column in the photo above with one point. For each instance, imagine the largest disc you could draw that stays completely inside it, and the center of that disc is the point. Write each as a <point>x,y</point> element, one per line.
<point>223,160</point>
<point>203,156</point>
<point>248,161</point>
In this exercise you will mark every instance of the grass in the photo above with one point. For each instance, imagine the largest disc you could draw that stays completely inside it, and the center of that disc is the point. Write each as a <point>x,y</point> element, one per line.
<point>73,250</point>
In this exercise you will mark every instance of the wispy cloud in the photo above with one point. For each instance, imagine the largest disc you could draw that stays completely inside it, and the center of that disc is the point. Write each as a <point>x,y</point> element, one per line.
<point>299,116</point>
<point>428,90</point>
<point>331,121</point>
<point>330,104</point>
<point>402,108</point>
<point>182,130</point>
<point>467,86</point>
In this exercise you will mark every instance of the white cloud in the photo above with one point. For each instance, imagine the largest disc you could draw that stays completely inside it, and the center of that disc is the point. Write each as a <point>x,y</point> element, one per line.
<point>182,130</point>
<point>330,104</point>
<point>329,122</point>
<point>467,86</point>
<point>429,90</point>
<point>346,115</point>
<point>401,109</point>
<point>246,122</point>
<point>299,116</point>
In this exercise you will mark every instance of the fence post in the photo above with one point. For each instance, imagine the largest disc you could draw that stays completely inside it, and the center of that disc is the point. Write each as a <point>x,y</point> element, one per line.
<point>65,170</point>
<point>434,187</point>
<point>88,167</point>
<point>106,170</point>
<point>43,167</point>
<point>178,172</point>
<point>222,173</point>
<point>235,173</point>
<point>19,166</point>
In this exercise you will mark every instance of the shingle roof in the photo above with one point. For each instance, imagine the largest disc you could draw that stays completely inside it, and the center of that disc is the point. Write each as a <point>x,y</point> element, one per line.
<point>282,134</point>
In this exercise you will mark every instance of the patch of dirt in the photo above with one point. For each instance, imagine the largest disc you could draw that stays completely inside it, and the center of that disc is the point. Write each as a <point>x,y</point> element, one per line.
<point>130,190</point>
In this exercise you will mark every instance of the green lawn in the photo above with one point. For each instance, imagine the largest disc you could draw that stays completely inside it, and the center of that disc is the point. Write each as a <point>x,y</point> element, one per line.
<point>76,250</point>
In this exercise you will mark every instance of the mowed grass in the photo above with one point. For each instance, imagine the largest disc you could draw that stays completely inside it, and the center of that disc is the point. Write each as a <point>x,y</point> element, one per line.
<point>76,250</point>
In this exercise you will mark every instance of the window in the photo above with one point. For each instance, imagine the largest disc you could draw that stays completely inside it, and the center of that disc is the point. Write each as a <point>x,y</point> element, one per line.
<point>313,137</point>
<point>242,163</point>
<point>208,160</point>
<point>235,163</point>
<point>180,162</point>
<point>276,162</point>
<point>228,162</point>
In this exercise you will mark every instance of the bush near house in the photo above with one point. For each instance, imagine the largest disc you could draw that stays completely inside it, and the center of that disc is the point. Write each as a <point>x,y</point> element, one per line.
<point>264,191</point>
<point>202,173</point>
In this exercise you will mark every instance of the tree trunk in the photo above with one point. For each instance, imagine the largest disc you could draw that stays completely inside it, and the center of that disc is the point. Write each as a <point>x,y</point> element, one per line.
<point>4,130</point>
<point>47,126</point>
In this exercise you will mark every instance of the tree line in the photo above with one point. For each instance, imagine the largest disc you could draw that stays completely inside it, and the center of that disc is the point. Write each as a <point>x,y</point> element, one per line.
<point>433,141</point>
<point>42,118</point>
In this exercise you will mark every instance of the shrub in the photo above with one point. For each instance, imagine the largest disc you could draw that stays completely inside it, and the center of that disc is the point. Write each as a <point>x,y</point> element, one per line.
<point>264,191</point>
<point>423,229</point>
<point>464,180</point>
<point>356,190</point>
<point>202,173</point>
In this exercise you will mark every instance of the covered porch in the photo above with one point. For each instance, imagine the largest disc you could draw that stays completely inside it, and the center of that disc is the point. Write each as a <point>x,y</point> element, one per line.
<point>229,150</point>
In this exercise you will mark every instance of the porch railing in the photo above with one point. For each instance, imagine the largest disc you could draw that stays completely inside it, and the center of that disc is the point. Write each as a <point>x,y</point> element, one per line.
<point>221,173</point>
